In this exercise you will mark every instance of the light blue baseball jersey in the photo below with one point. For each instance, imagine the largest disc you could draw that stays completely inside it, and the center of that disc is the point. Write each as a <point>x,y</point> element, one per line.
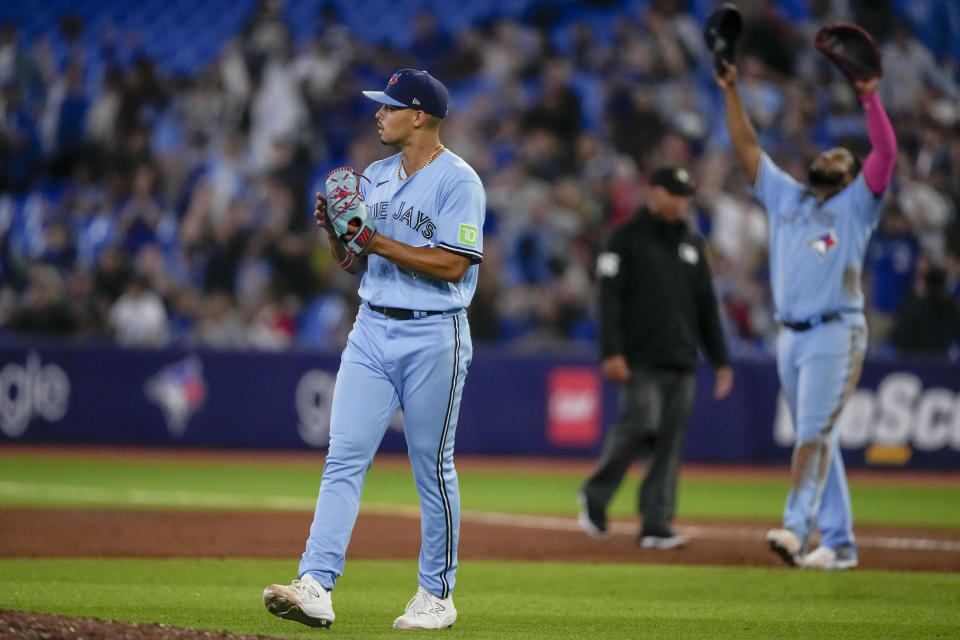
<point>816,248</point>
<point>441,205</point>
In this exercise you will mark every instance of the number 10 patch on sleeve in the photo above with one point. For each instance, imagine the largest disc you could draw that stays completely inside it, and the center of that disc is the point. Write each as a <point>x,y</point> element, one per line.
<point>469,235</point>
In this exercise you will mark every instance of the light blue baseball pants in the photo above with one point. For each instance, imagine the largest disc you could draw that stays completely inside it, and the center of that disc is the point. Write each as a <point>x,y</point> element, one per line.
<point>818,370</point>
<point>419,365</point>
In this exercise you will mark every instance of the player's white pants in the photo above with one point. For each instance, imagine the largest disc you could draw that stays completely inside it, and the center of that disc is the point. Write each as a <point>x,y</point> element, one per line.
<point>818,370</point>
<point>419,365</point>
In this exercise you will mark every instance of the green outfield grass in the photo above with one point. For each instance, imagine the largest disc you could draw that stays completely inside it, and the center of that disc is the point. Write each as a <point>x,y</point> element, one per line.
<point>513,600</point>
<point>31,480</point>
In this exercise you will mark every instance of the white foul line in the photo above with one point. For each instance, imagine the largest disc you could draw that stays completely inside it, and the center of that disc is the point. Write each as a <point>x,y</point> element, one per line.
<point>113,496</point>
<point>553,523</point>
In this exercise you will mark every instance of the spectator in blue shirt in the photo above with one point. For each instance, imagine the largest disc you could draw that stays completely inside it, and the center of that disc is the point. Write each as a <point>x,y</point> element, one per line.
<point>892,259</point>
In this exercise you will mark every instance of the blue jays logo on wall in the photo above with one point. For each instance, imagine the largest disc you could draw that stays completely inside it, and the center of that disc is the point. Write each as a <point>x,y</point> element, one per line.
<point>180,391</point>
<point>823,242</point>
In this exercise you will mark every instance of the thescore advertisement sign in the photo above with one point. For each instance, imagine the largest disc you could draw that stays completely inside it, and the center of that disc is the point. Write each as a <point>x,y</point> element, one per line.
<point>900,417</point>
<point>904,415</point>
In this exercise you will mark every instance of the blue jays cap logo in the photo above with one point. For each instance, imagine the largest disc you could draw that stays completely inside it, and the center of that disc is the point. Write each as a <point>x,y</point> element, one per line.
<point>822,243</point>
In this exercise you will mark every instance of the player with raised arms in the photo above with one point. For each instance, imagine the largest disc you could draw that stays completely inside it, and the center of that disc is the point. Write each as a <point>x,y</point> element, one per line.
<point>412,224</point>
<point>818,236</point>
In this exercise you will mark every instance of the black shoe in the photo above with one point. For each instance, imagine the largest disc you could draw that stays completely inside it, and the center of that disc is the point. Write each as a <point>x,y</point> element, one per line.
<point>591,518</point>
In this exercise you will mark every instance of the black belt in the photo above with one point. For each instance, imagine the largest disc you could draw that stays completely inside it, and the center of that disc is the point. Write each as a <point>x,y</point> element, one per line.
<point>402,314</point>
<point>812,322</point>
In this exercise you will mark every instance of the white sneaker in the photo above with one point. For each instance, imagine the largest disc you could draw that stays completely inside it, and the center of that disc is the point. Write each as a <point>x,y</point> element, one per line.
<point>427,611</point>
<point>829,559</point>
<point>304,601</point>
<point>669,541</point>
<point>786,544</point>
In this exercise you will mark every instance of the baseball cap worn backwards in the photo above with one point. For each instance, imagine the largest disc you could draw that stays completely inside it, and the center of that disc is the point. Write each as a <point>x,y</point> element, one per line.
<point>415,90</point>
<point>676,180</point>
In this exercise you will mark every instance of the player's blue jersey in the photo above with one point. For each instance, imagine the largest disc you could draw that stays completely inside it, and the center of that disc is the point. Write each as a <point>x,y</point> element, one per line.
<point>816,248</point>
<point>441,205</point>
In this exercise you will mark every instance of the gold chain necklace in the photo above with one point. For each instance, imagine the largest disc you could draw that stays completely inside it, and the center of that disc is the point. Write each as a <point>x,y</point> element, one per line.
<point>433,155</point>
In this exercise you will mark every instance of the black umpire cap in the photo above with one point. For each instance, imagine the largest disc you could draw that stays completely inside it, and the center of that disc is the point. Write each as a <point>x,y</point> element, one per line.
<point>415,90</point>
<point>674,179</point>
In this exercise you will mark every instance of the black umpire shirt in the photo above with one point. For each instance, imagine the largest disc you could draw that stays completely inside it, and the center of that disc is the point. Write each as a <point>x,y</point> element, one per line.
<point>656,296</point>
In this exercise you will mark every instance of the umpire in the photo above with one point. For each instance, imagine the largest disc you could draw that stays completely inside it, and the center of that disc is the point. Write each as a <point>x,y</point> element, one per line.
<point>656,307</point>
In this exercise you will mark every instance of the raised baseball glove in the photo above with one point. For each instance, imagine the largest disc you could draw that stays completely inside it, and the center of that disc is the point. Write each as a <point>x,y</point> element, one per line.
<point>346,205</point>
<point>721,32</point>
<point>851,49</point>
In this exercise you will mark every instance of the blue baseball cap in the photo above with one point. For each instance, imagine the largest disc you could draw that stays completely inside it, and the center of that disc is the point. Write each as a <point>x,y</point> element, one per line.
<point>414,89</point>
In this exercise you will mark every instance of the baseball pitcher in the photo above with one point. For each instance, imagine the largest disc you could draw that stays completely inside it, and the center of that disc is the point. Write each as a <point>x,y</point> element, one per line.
<point>412,224</point>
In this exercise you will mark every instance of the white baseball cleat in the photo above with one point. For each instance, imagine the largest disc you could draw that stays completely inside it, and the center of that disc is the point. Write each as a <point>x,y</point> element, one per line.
<point>427,611</point>
<point>829,559</point>
<point>786,544</point>
<point>304,601</point>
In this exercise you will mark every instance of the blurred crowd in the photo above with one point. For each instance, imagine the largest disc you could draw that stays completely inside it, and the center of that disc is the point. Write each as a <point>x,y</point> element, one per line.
<point>176,209</point>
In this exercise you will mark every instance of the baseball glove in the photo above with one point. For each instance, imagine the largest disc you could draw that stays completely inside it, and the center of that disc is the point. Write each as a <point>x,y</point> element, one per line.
<point>721,32</point>
<point>851,49</point>
<point>346,205</point>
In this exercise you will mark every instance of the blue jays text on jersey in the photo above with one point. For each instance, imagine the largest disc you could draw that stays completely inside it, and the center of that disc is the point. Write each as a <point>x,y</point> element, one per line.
<point>418,221</point>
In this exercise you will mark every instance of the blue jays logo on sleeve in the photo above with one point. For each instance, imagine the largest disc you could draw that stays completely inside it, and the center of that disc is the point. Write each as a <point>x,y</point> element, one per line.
<point>823,242</point>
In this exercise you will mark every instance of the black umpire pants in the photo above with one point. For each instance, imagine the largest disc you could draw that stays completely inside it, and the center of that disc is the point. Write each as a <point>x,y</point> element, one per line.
<point>655,406</point>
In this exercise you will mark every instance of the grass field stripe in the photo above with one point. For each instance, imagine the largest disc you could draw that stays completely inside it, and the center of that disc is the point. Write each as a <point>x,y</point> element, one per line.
<point>110,496</point>
<point>158,497</point>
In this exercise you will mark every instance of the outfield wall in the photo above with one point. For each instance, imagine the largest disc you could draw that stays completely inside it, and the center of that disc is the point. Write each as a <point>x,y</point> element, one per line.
<point>901,415</point>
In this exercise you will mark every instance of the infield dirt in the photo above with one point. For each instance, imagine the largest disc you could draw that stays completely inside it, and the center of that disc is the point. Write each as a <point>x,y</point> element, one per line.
<point>175,534</point>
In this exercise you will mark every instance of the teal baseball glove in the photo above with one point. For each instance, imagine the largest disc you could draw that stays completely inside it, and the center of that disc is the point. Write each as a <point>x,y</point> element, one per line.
<point>345,205</point>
